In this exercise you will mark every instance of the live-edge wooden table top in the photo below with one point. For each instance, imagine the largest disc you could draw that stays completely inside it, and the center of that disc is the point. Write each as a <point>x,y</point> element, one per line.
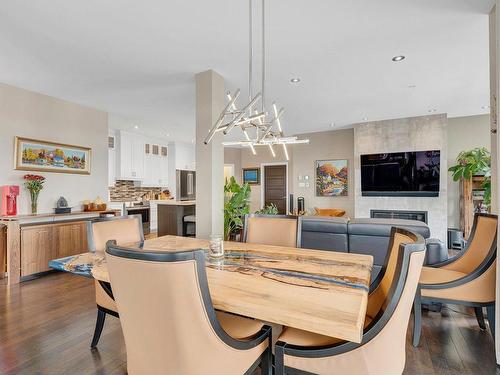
<point>324,292</point>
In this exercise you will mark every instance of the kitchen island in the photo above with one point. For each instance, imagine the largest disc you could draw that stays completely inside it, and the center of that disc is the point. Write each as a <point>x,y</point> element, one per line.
<point>171,214</point>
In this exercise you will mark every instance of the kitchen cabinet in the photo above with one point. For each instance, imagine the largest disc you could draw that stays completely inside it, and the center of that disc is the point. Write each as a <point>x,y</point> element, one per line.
<point>37,248</point>
<point>131,156</point>
<point>153,216</point>
<point>111,159</point>
<point>70,239</point>
<point>42,243</point>
<point>155,166</point>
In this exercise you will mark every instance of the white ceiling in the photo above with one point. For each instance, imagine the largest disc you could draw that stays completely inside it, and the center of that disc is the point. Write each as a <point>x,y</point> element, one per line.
<point>138,58</point>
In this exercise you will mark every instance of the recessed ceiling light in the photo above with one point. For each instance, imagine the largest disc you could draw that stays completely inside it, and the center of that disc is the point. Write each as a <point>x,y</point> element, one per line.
<point>398,58</point>
<point>136,126</point>
<point>365,118</point>
<point>332,125</point>
<point>295,80</point>
<point>192,140</point>
<point>432,110</point>
<point>168,134</point>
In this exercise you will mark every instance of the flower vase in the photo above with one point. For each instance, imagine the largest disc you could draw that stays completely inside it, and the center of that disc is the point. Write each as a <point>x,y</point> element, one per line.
<point>34,201</point>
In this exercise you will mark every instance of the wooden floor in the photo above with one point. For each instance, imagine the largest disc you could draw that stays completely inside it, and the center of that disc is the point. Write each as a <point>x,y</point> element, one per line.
<point>46,326</point>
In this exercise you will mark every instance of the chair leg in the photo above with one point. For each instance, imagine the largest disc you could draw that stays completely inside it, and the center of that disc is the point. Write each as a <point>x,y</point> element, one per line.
<point>99,324</point>
<point>480,317</point>
<point>490,314</point>
<point>279,358</point>
<point>266,365</point>
<point>417,318</point>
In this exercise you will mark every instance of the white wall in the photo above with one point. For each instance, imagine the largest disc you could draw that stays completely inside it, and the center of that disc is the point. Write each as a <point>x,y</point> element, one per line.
<point>409,134</point>
<point>464,133</point>
<point>28,114</point>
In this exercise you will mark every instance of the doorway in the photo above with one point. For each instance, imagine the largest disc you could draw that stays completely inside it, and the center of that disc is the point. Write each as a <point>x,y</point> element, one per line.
<point>275,186</point>
<point>228,172</point>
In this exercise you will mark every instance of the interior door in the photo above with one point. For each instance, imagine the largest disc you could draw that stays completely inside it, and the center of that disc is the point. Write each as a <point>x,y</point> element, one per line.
<point>275,181</point>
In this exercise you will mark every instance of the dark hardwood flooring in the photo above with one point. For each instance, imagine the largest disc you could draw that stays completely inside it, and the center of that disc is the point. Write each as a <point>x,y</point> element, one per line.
<point>46,326</point>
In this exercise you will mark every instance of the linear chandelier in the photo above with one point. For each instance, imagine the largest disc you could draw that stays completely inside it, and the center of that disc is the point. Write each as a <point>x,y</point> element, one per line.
<point>259,127</point>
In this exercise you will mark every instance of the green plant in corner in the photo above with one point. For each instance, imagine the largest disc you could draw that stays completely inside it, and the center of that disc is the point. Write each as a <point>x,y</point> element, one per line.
<point>270,209</point>
<point>473,163</point>
<point>236,206</point>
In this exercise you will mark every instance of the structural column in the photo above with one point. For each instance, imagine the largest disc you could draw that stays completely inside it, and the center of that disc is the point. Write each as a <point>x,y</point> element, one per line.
<point>495,178</point>
<point>209,158</point>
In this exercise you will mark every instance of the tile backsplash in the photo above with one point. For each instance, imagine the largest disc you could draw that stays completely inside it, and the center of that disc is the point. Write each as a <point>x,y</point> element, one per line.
<point>127,191</point>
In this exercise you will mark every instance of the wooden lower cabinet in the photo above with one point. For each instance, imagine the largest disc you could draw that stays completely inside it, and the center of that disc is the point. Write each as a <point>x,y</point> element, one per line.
<point>42,243</point>
<point>70,239</point>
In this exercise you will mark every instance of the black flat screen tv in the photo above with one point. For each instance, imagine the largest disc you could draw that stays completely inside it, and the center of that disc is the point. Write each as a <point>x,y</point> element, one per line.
<point>401,174</point>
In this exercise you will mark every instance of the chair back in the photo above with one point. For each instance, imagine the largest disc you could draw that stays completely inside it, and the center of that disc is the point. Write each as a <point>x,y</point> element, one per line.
<point>167,317</point>
<point>382,349</point>
<point>481,246</point>
<point>384,341</point>
<point>379,296</point>
<point>122,229</point>
<point>277,230</point>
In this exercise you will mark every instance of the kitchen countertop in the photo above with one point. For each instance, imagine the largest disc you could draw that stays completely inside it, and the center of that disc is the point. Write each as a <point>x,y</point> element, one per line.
<point>172,202</point>
<point>49,217</point>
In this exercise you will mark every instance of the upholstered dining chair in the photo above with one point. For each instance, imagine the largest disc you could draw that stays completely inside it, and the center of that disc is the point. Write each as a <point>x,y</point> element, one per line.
<point>382,349</point>
<point>123,229</point>
<point>278,230</point>
<point>168,320</point>
<point>468,279</point>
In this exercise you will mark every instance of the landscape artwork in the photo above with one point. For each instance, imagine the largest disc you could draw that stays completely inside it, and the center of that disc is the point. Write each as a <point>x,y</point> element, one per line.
<point>331,178</point>
<point>36,155</point>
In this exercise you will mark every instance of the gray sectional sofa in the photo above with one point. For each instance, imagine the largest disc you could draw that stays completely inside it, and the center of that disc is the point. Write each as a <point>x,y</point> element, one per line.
<point>360,236</point>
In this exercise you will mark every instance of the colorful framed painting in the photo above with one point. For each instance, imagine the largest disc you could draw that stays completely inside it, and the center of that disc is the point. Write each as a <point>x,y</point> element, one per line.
<point>332,178</point>
<point>44,156</point>
<point>251,176</point>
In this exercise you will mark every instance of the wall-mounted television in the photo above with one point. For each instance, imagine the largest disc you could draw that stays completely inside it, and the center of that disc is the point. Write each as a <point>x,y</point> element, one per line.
<point>401,174</point>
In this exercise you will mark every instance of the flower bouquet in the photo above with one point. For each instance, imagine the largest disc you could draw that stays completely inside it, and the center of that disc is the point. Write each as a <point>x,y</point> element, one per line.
<point>34,183</point>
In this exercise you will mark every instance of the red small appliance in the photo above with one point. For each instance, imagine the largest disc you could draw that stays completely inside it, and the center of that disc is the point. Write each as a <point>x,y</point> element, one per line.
<point>9,200</point>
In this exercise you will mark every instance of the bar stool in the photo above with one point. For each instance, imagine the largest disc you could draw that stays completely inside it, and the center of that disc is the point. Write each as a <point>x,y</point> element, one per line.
<point>189,226</point>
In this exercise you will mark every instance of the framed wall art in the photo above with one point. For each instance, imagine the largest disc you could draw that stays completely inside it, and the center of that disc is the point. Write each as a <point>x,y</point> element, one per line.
<point>251,176</point>
<point>46,156</point>
<point>332,178</point>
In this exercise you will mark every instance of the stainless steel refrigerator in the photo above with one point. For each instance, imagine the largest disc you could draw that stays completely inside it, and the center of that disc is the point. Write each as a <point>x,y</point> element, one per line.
<point>186,185</point>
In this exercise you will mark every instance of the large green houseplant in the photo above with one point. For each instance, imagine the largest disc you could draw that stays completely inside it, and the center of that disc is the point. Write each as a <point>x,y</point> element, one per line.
<point>236,206</point>
<point>473,163</point>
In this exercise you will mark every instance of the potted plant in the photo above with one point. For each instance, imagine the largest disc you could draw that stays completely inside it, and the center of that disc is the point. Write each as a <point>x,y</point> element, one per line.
<point>236,206</point>
<point>270,209</point>
<point>34,183</point>
<point>475,162</point>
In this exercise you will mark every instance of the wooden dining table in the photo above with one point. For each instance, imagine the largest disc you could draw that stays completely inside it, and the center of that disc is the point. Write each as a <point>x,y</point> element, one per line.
<point>324,292</point>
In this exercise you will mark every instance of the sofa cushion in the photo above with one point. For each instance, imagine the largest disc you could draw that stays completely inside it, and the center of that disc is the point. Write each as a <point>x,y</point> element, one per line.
<point>324,233</point>
<point>382,227</point>
<point>324,224</point>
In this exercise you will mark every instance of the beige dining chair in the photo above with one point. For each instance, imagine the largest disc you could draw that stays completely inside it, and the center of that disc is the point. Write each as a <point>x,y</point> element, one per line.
<point>168,320</point>
<point>123,229</point>
<point>382,349</point>
<point>278,230</point>
<point>468,279</point>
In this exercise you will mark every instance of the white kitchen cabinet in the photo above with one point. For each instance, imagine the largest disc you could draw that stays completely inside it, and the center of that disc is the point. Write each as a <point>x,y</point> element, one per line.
<point>153,216</point>
<point>155,166</point>
<point>111,159</point>
<point>131,156</point>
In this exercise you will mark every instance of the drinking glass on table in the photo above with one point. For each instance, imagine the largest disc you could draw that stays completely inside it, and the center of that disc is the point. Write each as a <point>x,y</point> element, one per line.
<point>216,246</point>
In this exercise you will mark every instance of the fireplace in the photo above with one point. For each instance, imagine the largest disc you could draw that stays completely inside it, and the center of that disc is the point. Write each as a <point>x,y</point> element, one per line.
<point>399,214</point>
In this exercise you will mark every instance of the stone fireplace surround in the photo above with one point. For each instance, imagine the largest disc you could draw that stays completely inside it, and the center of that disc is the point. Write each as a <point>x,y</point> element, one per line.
<point>408,134</point>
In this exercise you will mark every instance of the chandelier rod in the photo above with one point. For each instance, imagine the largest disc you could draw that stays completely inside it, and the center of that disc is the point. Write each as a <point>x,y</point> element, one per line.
<point>263,55</point>
<point>250,52</point>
